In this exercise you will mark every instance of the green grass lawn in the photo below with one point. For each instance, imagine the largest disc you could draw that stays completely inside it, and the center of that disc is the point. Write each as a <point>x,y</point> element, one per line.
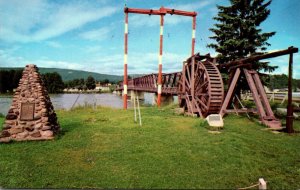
<point>104,148</point>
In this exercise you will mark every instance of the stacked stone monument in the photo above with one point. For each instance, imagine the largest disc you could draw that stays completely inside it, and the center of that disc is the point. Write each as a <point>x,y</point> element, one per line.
<point>31,115</point>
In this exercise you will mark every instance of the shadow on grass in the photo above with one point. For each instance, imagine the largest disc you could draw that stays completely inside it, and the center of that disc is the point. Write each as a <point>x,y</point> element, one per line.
<point>67,127</point>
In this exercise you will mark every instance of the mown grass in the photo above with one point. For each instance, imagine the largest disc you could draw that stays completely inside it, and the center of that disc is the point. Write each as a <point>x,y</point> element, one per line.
<point>104,148</point>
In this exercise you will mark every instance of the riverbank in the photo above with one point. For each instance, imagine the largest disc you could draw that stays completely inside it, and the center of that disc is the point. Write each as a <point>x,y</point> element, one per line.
<point>69,101</point>
<point>104,148</point>
<point>67,92</point>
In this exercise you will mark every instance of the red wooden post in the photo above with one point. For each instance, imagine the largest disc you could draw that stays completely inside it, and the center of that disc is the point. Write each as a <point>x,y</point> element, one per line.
<point>159,81</point>
<point>230,91</point>
<point>162,12</point>
<point>193,34</point>
<point>125,83</point>
<point>290,116</point>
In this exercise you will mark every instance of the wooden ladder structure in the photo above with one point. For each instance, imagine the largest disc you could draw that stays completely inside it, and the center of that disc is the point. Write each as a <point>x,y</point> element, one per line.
<point>264,110</point>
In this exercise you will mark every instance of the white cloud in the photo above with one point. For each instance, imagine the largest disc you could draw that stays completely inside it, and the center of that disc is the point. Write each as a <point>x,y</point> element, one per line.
<point>54,44</point>
<point>138,63</point>
<point>273,50</point>
<point>96,35</point>
<point>191,6</point>
<point>58,64</point>
<point>37,20</point>
<point>282,62</point>
<point>142,20</point>
<point>213,10</point>
<point>7,60</point>
<point>93,49</point>
<point>106,64</point>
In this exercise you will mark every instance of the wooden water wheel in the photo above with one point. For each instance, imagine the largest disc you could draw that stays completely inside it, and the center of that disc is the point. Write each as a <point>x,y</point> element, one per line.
<point>200,89</point>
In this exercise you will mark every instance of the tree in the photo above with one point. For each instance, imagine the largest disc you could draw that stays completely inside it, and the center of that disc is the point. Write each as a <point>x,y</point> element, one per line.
<point>90,83</point>
<point>2,82</point>
<point>105,81</point>
<point>53,82</point>
<point>237,33</point>
<point>16,78</point>
<point>281,81</point>
<point>81,84</point>
<point>9,80</point>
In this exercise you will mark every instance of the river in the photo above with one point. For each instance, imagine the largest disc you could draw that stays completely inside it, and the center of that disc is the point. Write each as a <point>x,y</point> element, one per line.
<point>67,101</point>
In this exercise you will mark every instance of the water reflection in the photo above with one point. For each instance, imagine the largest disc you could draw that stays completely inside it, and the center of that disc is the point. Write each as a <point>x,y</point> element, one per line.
<point>67,101</point>
<point>5,102</point>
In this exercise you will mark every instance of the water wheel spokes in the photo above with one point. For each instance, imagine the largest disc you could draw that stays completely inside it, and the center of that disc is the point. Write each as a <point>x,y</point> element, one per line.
<point>200,89</point>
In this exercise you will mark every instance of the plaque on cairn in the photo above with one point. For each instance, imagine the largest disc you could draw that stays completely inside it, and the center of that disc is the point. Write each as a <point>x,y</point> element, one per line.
<point>31,115</point>
<point>27,111</point>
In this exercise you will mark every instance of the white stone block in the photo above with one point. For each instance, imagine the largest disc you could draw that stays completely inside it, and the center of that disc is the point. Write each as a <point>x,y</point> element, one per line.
<point>215,120</point>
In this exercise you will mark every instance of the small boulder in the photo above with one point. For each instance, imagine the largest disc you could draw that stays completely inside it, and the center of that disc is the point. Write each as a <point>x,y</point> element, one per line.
<point>38,126</point>
<point>37,117</point>
<point>45,119</point>
<point>179,111</point>
<point>4,133</point>
<point>15,130</point>
<point>47,133</point>
<point>9,122</point>
<point>17,112</point>
<point>22,122</point>
<point>22,135</point>
<point>215,120</point>
<point>5,140</point>
<point>29,129</point>
<point>35,134</point>
<point>283,112</point>
<point>6,126</point>
<point>11,116</point>
<point>31,99</point>
<point>46,127</point>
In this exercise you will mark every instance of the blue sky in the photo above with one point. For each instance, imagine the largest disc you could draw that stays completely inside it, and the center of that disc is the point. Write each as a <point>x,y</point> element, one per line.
<point>89,35</point>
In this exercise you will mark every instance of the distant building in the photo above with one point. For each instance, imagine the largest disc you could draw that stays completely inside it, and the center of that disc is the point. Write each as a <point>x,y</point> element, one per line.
<point>103,86</point>
<point>267,89</point>
<point>281,90</point>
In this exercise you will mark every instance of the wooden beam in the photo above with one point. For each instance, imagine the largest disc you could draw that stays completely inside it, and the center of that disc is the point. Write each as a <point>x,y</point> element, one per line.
<point>253,58</point>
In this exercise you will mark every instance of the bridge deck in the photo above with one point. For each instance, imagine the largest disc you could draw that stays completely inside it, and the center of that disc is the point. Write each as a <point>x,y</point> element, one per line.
<point>148,83</point>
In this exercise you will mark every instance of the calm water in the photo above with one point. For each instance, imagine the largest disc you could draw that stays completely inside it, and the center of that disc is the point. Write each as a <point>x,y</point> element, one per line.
<point>66,101</point>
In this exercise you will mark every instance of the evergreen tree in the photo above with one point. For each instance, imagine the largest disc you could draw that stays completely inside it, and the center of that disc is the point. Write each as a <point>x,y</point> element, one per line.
<point>2,81</point>
<point>16,78</point>
<point>106,81</point>
<point>237,33</point>
<point>81,84</point>
<point>53,82</point>
<point>9,80</point>
<point>90,83</point>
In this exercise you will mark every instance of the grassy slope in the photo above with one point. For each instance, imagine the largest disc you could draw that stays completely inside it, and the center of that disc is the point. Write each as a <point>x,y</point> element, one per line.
<point>104,148</point>
<point>68,74</point>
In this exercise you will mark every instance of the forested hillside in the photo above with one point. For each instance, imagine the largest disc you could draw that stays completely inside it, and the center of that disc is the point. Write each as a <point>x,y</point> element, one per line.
<point>281,81</point>
<point>68,74</point>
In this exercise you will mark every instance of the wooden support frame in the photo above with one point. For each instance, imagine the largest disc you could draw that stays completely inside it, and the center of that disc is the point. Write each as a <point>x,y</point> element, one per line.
<point>259,95</point>
<point>161,12</point>
<point>230,91</point>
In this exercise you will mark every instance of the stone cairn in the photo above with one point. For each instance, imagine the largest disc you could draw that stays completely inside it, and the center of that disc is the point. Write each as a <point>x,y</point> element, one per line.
<point>31,115</point>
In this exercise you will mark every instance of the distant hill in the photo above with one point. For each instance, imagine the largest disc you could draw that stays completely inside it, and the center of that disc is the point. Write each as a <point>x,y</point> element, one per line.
<point>69,74</point>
